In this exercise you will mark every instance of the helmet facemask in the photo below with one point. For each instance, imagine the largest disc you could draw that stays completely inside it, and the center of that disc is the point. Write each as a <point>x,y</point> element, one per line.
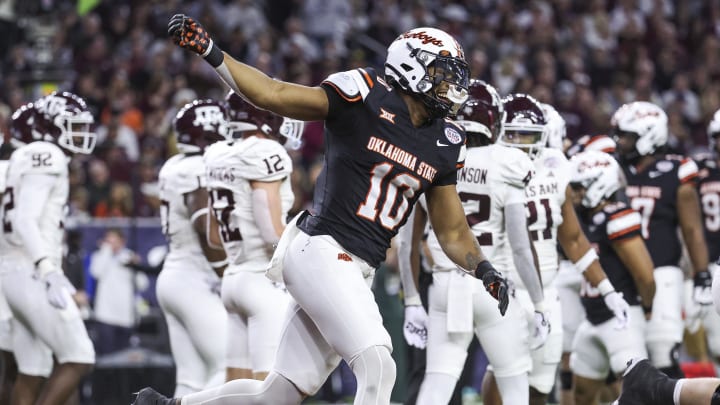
<point>76,135</point>
<point>526,136</point>
<point>444,88</point>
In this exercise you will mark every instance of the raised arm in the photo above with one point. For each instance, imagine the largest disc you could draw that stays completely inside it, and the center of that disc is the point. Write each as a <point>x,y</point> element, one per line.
<point>283,98</point>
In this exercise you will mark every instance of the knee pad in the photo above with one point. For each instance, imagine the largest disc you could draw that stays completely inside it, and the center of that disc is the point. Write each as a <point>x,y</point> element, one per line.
<point>566,380</point>
<point>374,369</point>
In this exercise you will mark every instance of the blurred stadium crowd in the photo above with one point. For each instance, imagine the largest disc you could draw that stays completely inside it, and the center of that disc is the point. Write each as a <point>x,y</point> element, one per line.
<point>584,57</point>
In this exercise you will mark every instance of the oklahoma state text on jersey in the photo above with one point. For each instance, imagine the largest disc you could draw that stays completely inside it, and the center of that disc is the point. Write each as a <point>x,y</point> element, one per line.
<point>376,164</point>
<point>653,193</point>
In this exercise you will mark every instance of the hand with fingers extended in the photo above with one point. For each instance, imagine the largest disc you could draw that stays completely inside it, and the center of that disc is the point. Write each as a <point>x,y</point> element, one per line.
<point>415,326</point>
<point>495,284</point>
<point>191,35</point>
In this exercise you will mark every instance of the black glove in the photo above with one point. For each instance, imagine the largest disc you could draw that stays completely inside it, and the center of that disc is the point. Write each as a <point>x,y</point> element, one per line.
<point>702,288</point>
<point>189,34</point>
<point>495,284</point>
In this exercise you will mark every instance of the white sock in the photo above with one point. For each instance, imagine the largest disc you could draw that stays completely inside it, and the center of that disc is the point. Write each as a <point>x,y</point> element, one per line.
<point>514,389</point>
<point>436,388</point>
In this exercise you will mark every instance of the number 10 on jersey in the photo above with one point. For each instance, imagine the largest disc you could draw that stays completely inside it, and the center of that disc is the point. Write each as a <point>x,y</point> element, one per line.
<point>393,209</point>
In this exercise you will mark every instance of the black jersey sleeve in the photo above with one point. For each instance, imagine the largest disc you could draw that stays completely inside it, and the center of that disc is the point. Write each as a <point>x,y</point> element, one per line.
<point>345,89</point>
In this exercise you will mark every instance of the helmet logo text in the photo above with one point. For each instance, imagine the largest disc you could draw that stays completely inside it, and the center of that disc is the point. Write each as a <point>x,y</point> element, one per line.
<point>425,38</point>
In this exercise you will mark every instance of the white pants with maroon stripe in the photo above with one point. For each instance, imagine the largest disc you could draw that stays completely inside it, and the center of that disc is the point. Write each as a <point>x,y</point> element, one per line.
<point>334,315</point>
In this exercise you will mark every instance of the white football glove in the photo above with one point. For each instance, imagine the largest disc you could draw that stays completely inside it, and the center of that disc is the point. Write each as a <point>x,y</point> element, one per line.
<point>619,307</point>
<point>702,289</point>
<point>57,286</point>
<point>542,330</point>
<point>415,326</point>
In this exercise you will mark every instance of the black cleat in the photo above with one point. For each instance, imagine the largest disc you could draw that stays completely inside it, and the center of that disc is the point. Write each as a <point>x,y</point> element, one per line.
<point>643,384</point>
<point>148,396</point>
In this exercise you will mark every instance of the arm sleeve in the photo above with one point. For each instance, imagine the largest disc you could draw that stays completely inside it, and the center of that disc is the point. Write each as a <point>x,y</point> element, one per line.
<point>516,227</point>
<point>404,251</point>
<point>30,204</point>
<point>263,216</point>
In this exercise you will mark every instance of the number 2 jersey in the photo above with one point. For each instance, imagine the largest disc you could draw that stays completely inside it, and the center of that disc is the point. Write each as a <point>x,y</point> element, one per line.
<point>231,166</point>
<point>36,158</point>
<point>614,223</point>
<point>180,176</point>
<point>544,198</point>
<point>483,186</point>
<point>653,193</point>
<point>709,192</point>
<point>377,164</point>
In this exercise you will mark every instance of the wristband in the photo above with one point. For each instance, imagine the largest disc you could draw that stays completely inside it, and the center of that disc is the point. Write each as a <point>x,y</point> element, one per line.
<point>585,261</point>
<point>44,267</point>
<point>214,55</point>
<point>413,301</point>
<point>482,268</point>
<point>219,264</point>
<point>539,307</point>
<point>605,287</point>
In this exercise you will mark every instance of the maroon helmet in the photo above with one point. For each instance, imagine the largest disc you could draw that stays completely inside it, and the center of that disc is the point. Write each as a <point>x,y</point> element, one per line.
<point>482,115</point>
<point>21,126</point>
<point>524,124</point>
<point>64,118</point>
<point>200,123</point>
<point>246,117</point>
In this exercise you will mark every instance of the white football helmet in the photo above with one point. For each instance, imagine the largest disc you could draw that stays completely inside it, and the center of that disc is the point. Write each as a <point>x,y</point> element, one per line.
<point>713,130</point>
<point>421,59</point>
<point>555,127</point>
<point>65,118</point>
<point>645,120</point>
<point>602,143</point>
<point>598,173</point>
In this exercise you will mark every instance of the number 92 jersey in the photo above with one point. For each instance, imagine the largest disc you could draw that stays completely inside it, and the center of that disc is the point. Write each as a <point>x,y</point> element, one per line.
<point>544,197</point>
<point>42,158</point>
<point>231,166</point>
<point>483,185</point>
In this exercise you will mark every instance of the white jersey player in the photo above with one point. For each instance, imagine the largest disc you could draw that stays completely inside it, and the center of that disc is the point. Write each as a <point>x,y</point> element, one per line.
<point>8,359</point>
<point>33,213</point>
<point>492,189</point>
<point>250,194</point>
<point>551,219</point>
<point>196,327</point>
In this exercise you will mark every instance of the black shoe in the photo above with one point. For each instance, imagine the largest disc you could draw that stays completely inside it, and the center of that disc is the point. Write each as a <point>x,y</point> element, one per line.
<point>643,384</point>
<point>148,396</point>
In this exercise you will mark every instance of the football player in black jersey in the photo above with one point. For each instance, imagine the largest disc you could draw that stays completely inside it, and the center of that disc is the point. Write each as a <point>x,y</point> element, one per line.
<point>644,384</point>
<point>662,189</point>
<point>614,228</point>
<point>709,191</point>
<point>386,142</point>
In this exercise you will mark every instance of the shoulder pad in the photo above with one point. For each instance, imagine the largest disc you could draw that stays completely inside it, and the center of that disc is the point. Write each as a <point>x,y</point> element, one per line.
<point>264,160</point>
<point>352,85</point>
<point>183,174</point>
<point>516,168</point>
<point>687,171</point>
<point>40,158</point>
<point>622,221</point>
